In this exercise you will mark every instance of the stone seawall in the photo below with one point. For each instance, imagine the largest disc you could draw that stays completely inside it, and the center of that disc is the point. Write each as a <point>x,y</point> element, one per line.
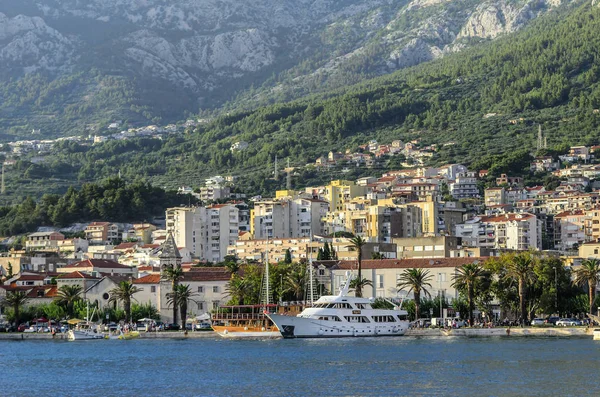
<point>580,332</point>
<point>502,331</point>
<point>143,335</point>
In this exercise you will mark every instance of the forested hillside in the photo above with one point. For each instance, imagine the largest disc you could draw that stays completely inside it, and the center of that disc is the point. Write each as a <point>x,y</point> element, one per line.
<point>70,67</point>
<point>113,200</point>
<point>487,100</point>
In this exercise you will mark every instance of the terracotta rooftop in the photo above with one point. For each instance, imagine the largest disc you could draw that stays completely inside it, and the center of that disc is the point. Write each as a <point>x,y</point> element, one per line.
<point>98,263</point>
<point>78,274</point>
<point>149,279</point>
<point>125,246</point>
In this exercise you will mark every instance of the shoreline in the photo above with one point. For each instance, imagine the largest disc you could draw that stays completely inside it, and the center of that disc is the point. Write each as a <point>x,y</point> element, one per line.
<point>143,335</point>
<point>513,332</point>
<point>507,332</point>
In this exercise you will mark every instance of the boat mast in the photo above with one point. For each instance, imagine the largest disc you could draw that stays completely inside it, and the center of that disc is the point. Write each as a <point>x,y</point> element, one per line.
<point>311,295</point>
<point>266,293</point>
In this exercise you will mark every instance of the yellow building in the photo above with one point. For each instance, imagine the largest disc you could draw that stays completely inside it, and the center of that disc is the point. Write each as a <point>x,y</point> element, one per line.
<point>428,214</point>
<point>341,192</point>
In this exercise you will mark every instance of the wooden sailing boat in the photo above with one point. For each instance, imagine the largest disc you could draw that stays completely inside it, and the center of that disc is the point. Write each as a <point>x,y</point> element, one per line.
<point>248,321</point>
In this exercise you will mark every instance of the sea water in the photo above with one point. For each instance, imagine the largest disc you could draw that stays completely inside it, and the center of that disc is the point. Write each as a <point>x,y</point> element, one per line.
<point>304,367</point>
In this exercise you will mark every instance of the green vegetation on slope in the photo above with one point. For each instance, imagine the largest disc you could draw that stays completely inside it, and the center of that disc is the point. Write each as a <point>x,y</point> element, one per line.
<point>113,200</point>
<point>547,74</point>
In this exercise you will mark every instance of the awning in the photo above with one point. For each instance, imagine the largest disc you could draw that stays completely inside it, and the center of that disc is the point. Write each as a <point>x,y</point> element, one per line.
<point>74,321</point>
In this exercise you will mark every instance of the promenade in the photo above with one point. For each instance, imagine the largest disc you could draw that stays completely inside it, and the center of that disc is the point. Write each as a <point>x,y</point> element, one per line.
<point>513,332</point>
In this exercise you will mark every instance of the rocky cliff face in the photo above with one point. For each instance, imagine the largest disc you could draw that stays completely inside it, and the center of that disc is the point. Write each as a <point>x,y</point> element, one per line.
<point>207,46</point>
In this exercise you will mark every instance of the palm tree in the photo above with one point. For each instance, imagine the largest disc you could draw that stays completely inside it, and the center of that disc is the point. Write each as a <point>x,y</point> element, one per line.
<point>296,281</point>
<point>174,274</point>
<point>465,279</point>
<point>180,298</point>
<point>124,293</point>
<point>521,269</point>
<point>357,243</point>
<point>360,284</point>
<point>588,273</point>
<point>232,267</point>
<point>416,280</point>
<point>238,289</point>
<point>15,300</point>
<point>67,296</point>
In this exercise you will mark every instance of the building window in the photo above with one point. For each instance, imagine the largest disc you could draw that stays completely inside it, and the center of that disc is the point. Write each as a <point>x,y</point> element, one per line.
<point>215,305</point>
<point>200,305</point>
<point>380,281</point>
<point>215,289</point>
<point>321,272</point>
<point>153,288</point>
<point>201,290</point>
<point>595,251</point>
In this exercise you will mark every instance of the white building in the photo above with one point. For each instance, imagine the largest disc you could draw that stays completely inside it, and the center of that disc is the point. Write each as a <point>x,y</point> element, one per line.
<point>283,218</point>
<point>464,186</point>
<point>521,231</point>
<point>205,231</point>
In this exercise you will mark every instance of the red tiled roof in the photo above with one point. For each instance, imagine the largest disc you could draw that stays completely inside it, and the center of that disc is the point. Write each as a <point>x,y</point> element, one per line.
<point>78,274</point>
<point>150,268</point>
<point>98,263</point>
<point>410,263</point>
<point>149,279</point>
<point>30,277</point>
<point>52,292</point>
<point>124,246</point>
<point>569,213</point>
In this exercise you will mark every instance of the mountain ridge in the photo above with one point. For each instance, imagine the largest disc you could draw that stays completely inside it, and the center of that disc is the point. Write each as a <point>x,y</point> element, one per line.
<point>199,54</point>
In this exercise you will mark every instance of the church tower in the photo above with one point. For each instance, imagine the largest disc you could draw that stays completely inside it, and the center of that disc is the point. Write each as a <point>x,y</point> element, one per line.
<point>170,256</point>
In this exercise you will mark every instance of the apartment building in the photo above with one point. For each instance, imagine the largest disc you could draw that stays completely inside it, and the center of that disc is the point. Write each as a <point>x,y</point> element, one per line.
<point>425,247</point>
<point>340,192</point>
<point>570,229</point>
<point>102,232</point>
<point>494,196</point>
<point>205,231</point>
<point>43,241</point>
<point>464,186</point>
<point>288,218</point>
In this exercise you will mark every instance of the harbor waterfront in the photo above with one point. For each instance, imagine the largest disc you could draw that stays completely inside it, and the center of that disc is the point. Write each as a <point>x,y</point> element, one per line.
<point>513,332</point>
<point>436,366</point>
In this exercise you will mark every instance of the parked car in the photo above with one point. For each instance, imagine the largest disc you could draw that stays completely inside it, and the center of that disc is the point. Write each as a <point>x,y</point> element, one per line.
<point>22,327</point>
<point>552,320</point>
<point>172,327</point>
<point>568,322</point>
<point>142,327</point>
<point>538,321</point>
<point>111,327</point>
<point>203,326</point>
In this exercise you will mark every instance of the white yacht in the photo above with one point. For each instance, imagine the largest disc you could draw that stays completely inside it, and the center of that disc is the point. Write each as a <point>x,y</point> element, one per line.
<point>342,316</point>
<point>83,333</point>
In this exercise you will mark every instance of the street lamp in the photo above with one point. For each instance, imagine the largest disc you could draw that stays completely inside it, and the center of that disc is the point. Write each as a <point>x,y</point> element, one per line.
<point>555,291</point>
<point>440,280</point>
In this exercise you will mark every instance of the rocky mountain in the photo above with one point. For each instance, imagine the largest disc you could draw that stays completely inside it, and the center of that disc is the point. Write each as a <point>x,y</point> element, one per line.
<point>140,60</point>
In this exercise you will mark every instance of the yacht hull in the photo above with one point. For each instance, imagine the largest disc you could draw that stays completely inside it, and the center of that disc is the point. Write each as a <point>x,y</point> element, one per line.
<point>301,327</point>
<point>237,332</point>
<point>73,335</point>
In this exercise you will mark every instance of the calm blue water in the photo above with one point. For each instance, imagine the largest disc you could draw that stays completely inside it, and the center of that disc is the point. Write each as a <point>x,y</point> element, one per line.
<point>336,367</point>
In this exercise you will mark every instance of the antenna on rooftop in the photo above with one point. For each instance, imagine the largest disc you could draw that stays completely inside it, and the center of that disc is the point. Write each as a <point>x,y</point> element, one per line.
<point>288,182</point>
